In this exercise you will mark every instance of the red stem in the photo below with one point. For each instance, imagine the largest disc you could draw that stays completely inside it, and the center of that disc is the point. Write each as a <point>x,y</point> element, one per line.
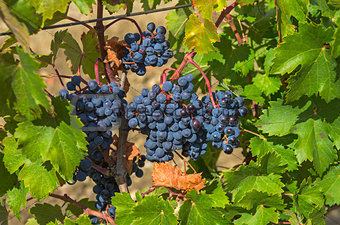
<point>224,13</point>
<point>96,71</point>
<point>233,28</point>
<point>132,21</point>
<point>75,20</point>
<point>49,94</point>
<point>86,210</point>
<point>57,72</point>
<point>150,190</point>
<point>206,81</point>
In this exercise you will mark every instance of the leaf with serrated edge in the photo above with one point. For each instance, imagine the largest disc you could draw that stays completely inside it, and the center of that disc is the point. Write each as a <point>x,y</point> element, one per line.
<point>334,131</point>
<point>84,220</point>
<point>72,51</point>
<point>217,194</point>
<point>262,217</point>
<point>336,44</point>
<point>279,118</point>
<point>198,210</point>
<point>254,198</point>
<point>153,211</point>
<point>29,87</point>
<point>207,7</point>
<point>13,157</point>
<point>313,144</point>
<point>261,147</point>
<point>124,206</point>
<point>254,93</point>
<point>330,184</point>
<point>317,74</point>
<point>287,9</point>
<point>17,198</point>
<point>91,53</point>
<point>176,26</point>
<point>200,36</point>
<point>45,213</point>
<point>268,85</point>
<point>38,179</point>
<point>8,181</point>
<point>48,7</point>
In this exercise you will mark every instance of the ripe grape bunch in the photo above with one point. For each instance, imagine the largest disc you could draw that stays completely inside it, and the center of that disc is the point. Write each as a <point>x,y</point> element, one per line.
<point>154,50</point>
<point>99,108</point>
<point>173,118</point>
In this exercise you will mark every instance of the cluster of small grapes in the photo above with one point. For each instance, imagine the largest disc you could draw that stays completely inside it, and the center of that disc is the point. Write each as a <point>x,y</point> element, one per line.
<point>99,108</point>
<point>170,124</point>
<point>221,123</point>
<point>154,50</point>
<point>137,164</point>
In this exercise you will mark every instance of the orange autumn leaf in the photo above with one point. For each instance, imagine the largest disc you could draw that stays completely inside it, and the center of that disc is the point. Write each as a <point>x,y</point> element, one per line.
<point>164,174</point>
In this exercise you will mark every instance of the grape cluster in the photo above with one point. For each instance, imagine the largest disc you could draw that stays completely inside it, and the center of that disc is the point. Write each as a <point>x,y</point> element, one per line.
<point>174,118</point>
<point>99,108</point>
<point>154,50</point>
<point>161,113</point>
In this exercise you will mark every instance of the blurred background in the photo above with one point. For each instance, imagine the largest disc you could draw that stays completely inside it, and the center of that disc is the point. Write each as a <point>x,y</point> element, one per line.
<point>40,44</point>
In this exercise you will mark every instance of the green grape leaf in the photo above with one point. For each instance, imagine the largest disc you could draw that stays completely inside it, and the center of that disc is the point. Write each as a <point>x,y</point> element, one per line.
<point>317,74</point>
<point>334,131</point>
<point>199,210</point>
<point>77,211</point>
<point>40,179</point>
<point>262,217</point>
<point>262,147</point>
<point>13,156</point>
<point>19,30</point>
<point>270,54</point>
<point>272,163</point>
<point>268,85</point>
<point>91,53</point>
<point>254,93</point>
<point>45,213</point>
<point>330,186</point>
<point>72,51</point>
<point>309,198</point>
<point>68,221</point>
<point>248,178</point>
<point>287,9</point>
<point>200,36</point>
<point>176,27</point>
<point>254,198</point>
<point>28,87</point>
<point>336,37</point>
<point>112,6</point>
<point>84,220</point>
<point>150,4</point>
<point>217,194</point>
<point>278,119</point>
<point>124,206</point>
<point>313,144</point>
<point>17,198</point>
<point>207,7</point>
<point>56,43</point>
<point>7,180</point>
<point>32,221</point>
<point>48,7</point>
<point>244,67</point>
<point>245,2</point>
<point>153,210</point>
<point>60,143</point>
<point>85,6</point>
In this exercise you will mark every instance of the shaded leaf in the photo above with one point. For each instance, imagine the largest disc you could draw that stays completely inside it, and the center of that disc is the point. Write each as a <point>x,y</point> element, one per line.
<point>17,198</point>
<point>45,213</point>
<point>262,217</point>
<point>8,180</point>
<point>255,198</point>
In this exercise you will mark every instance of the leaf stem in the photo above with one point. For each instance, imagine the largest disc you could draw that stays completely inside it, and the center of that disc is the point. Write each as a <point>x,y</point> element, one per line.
<point>96,71</point>
<point>86,210</point>
<point>75,20</point>
<point>97,167</point>
<point>206,81</point>
<point>256,134</point>
<point>48,93</point>
<point>186,161</point>
<point>79,66</point>
<point>150,190</point>
<point>224,13</point>
<point>57,72</point>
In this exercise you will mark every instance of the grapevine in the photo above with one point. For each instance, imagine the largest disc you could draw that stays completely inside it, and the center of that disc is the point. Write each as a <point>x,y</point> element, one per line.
<point>256,80</point>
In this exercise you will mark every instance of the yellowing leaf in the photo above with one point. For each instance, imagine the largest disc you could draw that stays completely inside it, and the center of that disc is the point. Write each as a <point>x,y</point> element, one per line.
<point>200,36</point>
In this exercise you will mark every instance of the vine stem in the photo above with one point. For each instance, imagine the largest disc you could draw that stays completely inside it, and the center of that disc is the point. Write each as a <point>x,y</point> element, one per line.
<point>101,38</point>
<point>121,149</point>
<point>58,74</point>
<point>172,193</point>
<point>86,210</point>
<point>224,13</point>
<point>132,21</point>
<point>233,28</point>
<point>79,66</point>
<point>206,81</point>
<point>48,93</point>
<point>256,134</point>
<point>149,191</point>
<point>63,76</point>
<point>288,194</point>
<point>75,20</point>
<point>96,167</point>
